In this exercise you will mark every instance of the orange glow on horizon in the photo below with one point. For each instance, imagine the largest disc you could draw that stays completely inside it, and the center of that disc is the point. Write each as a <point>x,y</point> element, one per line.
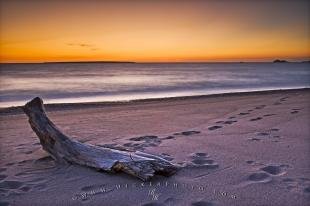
<point>148,31</point>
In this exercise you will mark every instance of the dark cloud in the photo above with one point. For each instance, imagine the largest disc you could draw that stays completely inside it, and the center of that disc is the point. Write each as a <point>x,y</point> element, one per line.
<point>90,46</point>
<point>80,44</point>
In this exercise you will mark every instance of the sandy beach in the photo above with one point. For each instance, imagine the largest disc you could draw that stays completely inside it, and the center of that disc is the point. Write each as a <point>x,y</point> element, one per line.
<point>234,149</point>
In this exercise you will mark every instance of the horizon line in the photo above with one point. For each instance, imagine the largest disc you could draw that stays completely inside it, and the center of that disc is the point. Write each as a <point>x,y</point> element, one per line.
<point>159,62</point>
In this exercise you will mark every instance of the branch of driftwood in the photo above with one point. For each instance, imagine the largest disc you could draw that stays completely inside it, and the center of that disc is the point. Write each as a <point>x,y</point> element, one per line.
<point>64,149</point>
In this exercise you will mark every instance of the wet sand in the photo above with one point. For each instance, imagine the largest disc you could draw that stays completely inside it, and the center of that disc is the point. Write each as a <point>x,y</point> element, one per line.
<point>235,149</point>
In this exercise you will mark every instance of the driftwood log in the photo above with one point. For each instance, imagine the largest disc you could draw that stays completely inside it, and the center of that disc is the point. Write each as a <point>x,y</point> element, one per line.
<point>64,149</point>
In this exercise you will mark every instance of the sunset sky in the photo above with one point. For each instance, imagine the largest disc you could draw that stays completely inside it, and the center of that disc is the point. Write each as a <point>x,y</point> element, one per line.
<point>154,31</point>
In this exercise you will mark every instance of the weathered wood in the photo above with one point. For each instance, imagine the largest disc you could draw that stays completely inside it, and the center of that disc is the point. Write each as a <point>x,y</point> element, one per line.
<point>64,149</point>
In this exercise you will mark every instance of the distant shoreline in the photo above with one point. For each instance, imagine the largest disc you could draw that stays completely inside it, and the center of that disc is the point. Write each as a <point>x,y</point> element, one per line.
<point>91,62</point>
<point>133,62</point>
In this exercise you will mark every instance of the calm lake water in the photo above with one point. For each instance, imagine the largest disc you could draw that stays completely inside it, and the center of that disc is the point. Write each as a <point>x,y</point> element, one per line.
<point>89,82</point>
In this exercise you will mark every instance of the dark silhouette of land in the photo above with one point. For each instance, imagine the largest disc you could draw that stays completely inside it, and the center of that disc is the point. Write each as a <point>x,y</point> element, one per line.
<point>88,62</point>
<point>280,61</point>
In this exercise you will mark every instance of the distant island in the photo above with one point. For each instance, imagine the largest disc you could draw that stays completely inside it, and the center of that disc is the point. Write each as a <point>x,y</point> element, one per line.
<point>284,61</point>
<point>280,61</point>
<point>88,62</point>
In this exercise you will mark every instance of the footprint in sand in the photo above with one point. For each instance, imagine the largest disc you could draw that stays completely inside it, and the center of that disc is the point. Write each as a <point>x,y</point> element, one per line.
<point>187,133</point>
<point>268,115</point>
<point>201,159</point>
<point>256,119</point>
<point>244,113</point>
<point>202,203</point>
<point>214,127</point>
<point>230,122</point>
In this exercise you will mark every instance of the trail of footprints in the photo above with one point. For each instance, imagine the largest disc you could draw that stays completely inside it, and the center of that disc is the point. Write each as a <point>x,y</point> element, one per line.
<point>265,174</point>
<point>232,119</point>
<point>141,142</point>
<point>283,99</point>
